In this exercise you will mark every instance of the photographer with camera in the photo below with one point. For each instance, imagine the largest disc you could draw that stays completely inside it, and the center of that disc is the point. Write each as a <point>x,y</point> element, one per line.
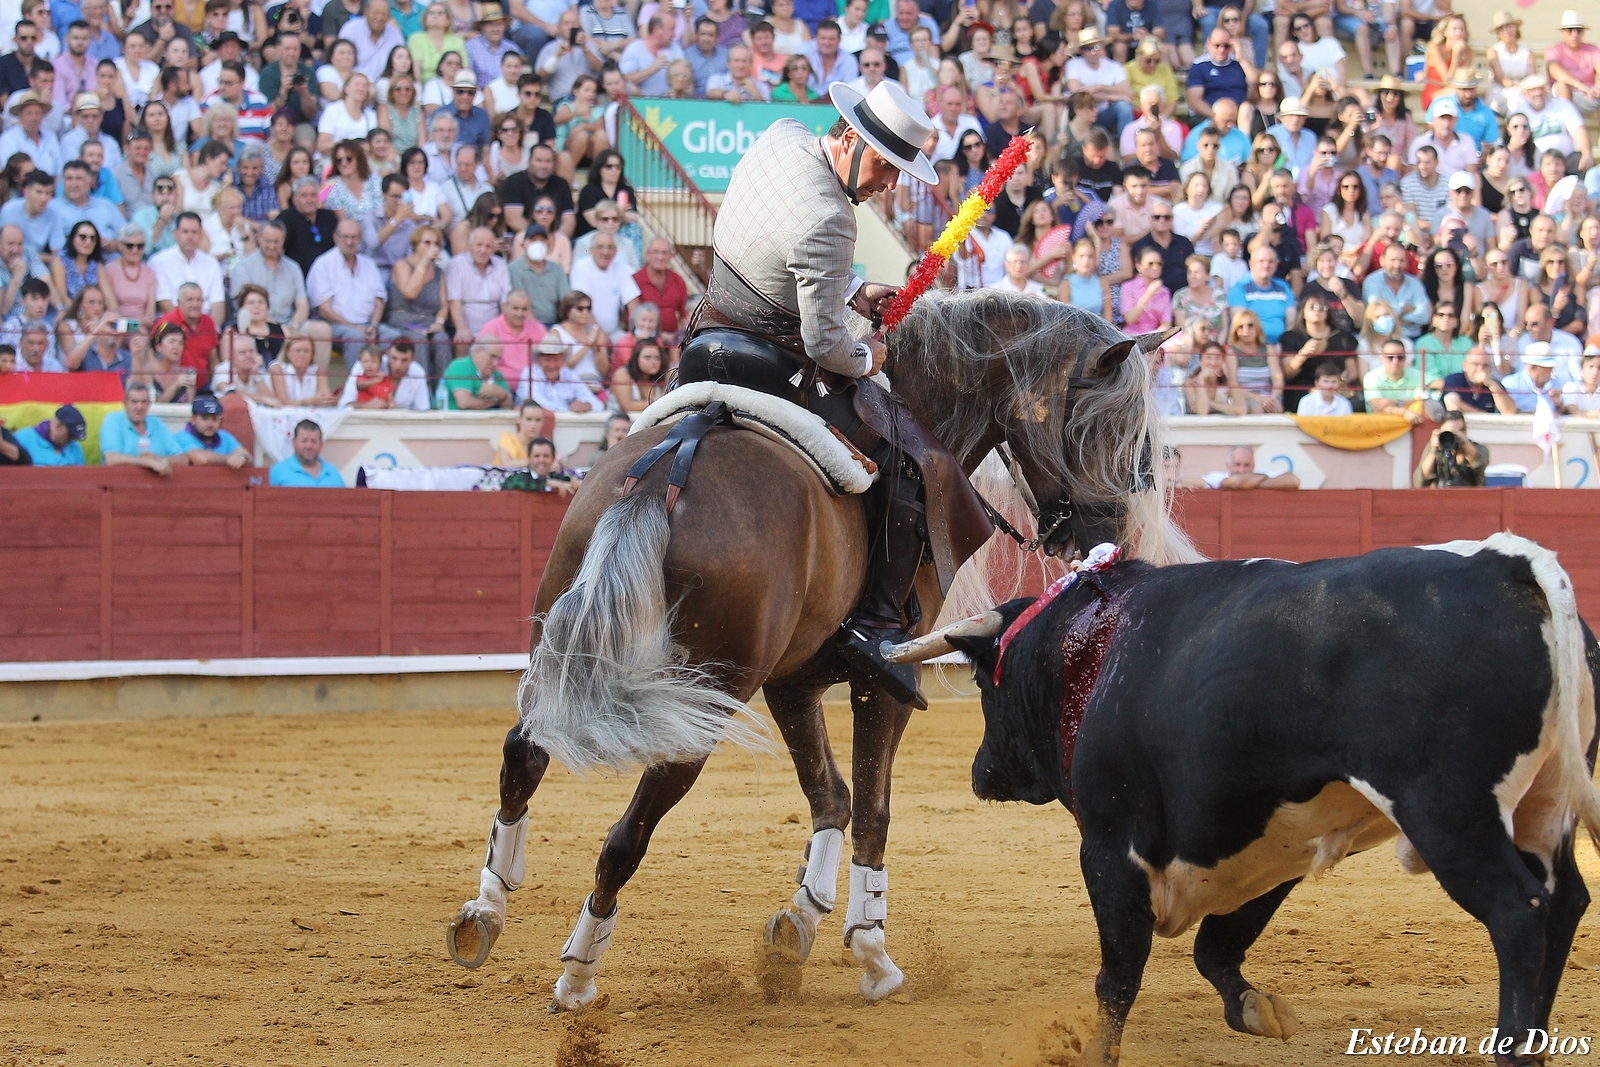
<point>1451,459</point>
<point>289,83</point>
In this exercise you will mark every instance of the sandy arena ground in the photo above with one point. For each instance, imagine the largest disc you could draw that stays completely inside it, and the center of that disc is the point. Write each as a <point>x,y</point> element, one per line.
<point>274,891</point>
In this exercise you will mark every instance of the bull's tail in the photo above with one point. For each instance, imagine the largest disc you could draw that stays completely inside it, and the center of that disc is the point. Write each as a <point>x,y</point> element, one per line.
<point>1573,695</point>
<point>608,688</point>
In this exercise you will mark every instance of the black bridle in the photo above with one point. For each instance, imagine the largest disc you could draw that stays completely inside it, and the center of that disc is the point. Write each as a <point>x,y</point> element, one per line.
<point>1047,520</point>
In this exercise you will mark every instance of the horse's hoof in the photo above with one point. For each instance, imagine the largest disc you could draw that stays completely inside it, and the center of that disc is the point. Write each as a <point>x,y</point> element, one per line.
<point>789,938</point>
<point>571,996</point>
<point>874,990</point>
<point>470,937</point>
<point>1268,1016</point>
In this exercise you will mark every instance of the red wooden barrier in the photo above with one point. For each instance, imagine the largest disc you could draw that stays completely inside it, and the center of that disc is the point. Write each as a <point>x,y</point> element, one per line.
<point>118,564</point>
<point>127,566</point>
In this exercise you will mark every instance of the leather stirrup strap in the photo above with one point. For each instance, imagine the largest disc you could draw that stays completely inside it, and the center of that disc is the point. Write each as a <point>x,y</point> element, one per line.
<point>687,433</point>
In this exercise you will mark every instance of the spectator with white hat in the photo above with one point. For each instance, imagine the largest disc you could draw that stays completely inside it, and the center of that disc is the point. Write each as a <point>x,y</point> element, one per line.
<point>1573,66</point>
<point>1102,78</point>
<point>1535,378</point>
<point>1555,123</point>
<point>1479,224</point>
<point>1473,116</point>
<point>28,136</point>
<point>1456,150</point>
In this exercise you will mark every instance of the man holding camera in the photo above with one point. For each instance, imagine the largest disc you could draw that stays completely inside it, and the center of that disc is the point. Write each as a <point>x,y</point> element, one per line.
<point>1451,459</point>
<point>289,82</point>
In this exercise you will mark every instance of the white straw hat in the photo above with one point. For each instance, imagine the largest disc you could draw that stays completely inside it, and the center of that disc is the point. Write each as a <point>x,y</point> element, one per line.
<point>887,120</point>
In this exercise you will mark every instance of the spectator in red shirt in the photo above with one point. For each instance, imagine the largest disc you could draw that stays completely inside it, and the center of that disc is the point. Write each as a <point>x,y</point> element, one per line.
<point>662,286</point>
<point>200,332</point>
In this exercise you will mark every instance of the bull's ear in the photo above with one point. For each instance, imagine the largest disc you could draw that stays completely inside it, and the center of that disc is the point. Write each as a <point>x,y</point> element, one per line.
<point>982,652</point>
<point>1113,357</point>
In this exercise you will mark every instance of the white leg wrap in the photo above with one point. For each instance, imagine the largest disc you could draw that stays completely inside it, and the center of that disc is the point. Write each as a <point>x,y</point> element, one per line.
<point>507,859</point>
<point>819,875</point>
<point>863,932</point>
<point>867,908</point>
<point>581,956</point>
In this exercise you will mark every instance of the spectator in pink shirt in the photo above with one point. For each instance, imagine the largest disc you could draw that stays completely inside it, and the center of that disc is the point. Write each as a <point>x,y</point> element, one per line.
<point>518,331</point>
<point>1572,65</point>
<point>1146,303</point>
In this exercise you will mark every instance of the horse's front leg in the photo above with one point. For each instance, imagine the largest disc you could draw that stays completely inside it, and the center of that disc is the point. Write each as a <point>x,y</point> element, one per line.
<point>879,722</point>
<point>474,931</point>
<point>798,713</point>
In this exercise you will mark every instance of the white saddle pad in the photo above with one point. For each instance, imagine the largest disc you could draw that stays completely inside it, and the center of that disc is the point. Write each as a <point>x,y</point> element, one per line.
<point>786,423</point>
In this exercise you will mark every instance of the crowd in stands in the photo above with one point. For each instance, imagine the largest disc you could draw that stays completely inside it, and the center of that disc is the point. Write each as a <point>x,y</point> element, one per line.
<point>347,202</point>
<point>216,197</point>
<point>1326,239</point>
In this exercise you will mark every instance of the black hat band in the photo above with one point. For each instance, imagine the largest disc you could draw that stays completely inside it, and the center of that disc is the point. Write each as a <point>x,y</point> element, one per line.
<point>891,140</point>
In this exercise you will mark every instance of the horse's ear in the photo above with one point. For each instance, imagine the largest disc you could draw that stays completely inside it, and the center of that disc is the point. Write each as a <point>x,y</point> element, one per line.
<point>1113,357</point>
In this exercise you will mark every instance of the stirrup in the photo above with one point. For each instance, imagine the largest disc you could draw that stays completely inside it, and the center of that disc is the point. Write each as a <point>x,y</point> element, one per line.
<point>862,649</point>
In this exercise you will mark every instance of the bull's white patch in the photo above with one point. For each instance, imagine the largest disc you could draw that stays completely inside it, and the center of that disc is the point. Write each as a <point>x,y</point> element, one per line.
<point>1300,840</point>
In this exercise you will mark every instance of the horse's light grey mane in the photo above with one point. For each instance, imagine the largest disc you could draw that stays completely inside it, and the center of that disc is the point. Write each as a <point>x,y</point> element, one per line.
<point>954,342</point>
<point>1104,442</point>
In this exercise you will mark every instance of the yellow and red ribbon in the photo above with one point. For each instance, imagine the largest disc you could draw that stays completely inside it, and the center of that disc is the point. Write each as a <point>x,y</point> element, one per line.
<point>956,231</point>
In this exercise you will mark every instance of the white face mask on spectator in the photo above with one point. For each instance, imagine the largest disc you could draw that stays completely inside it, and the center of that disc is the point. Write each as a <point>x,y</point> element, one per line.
<point>536,251</point>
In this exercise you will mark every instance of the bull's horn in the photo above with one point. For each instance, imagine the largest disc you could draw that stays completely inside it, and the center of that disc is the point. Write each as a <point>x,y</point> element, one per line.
<point>1149,342</point>
<point>937,643</point>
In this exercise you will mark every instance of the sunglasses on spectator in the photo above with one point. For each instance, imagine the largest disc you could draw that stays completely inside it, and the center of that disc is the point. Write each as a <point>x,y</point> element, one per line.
<point>583,307</point>
<point>613,165</point>
<point>472,92</point>
<point>133,246</point>
<point>1401,358</point>
<point>609,218</point>
<point>1160,218</point>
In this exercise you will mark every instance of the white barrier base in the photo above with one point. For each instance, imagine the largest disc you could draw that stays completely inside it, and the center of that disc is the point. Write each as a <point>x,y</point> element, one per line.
<point>264,667</point>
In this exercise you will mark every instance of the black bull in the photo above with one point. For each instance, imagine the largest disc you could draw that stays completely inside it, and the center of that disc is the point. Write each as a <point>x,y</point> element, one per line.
<point>1245,724</point>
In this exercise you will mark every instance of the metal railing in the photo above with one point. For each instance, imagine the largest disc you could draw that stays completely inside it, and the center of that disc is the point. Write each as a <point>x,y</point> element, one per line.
<point>671,203</point>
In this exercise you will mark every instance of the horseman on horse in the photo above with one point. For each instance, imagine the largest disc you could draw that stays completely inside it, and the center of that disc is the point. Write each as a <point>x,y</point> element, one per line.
<point>777,317</point>
<point>668,602</point>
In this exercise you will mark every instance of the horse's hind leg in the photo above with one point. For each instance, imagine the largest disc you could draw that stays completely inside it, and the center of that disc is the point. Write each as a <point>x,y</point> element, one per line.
<point>474,931</point>
<point>662,786</point>
<point>879,722</point>
<point>1219,950</point>
<point>798,713</point>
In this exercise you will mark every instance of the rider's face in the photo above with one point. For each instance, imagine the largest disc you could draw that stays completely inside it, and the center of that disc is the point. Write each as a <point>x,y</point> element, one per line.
<point>876,174</point>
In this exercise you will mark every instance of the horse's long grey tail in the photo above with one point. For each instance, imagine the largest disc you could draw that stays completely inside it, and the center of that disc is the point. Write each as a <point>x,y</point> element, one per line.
<point>607,687</point>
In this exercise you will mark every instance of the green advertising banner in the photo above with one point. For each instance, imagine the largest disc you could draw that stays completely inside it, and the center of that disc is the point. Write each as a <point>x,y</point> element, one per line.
<point>709,137</point>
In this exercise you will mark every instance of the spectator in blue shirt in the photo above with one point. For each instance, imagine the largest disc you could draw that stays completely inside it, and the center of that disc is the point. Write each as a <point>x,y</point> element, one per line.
<point>54,442</point>
<point>1526,385</point>
<point>1219,76</point>
<point>35,215</point>
<point>206,442</point>
<point>305,467</point>
<point>1268,297</point>
<point>1475,120</point>
<point>133,437</point>
<point>1299,144</point>
<point>1399,290</point>
<point>1235,145</point>
<point>907,17</point>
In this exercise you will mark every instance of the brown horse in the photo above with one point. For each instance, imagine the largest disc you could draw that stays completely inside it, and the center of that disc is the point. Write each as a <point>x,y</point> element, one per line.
<point>651,637</point>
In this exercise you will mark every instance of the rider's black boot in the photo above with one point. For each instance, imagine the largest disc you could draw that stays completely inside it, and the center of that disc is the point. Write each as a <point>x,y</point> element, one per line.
<point>891,575</point>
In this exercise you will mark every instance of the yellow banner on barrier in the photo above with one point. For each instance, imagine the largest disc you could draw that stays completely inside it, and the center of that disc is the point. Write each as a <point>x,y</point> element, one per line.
<point>1353,433</point>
